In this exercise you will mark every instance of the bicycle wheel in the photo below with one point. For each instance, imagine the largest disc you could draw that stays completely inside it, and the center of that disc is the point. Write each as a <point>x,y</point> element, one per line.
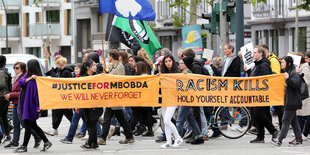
<point>233,122</point>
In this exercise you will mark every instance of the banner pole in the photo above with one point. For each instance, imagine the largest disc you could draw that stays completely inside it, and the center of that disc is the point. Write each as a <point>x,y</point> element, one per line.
<point>102,41</point>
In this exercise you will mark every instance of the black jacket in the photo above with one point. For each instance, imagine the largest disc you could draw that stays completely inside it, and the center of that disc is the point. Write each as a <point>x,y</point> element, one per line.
<point>262,67</point>
<point>292,92</point>
<point>196,67</point>
<point>217,71</point>
<point>53,72</point>
<point>65,73</point>
<point>129,70</point>
<point>234,69</point>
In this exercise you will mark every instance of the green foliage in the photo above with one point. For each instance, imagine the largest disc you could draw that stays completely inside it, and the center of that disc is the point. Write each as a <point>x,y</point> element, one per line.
<point>305,5</point>
<point>257,1</point>
<point>177,21</point>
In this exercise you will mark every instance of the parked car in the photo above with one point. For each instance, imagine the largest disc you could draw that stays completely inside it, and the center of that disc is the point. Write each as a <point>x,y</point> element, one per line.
<point>11,59</point>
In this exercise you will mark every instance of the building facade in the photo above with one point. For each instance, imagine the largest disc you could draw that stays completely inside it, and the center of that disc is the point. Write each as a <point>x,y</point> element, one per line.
<point>273,24</point>
<point>37,27</point>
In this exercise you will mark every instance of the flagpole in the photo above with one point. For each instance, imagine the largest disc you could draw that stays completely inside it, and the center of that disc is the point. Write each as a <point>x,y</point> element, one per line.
<point>102,42</point>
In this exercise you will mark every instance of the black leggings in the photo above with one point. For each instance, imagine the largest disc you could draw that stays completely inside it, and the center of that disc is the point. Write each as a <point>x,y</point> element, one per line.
<point>32,125</point>
<point>57,116</point>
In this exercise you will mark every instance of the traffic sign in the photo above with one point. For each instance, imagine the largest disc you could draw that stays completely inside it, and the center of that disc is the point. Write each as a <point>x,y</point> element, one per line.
<point>99,52</point>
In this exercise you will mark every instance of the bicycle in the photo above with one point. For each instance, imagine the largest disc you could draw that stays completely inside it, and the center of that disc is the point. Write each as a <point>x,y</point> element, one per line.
<point>232,122</point>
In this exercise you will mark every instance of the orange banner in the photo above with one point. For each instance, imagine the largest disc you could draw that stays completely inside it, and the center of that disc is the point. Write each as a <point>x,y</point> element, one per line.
<point>199,90</point>
<point>98,91</point>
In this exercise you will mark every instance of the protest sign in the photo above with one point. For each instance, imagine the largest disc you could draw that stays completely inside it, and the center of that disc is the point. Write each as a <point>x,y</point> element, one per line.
<point>192,38</point>
<point>247,55</point>
<point>98,91</point>
<point>296,59</point>
<point>199,90</point>
<point>208,54</point>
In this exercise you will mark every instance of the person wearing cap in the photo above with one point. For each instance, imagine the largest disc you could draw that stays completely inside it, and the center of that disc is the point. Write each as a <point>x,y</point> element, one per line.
<point>157,64</point>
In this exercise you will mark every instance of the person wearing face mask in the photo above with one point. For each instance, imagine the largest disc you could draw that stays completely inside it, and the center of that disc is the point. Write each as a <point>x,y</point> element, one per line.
<point>262,67</point>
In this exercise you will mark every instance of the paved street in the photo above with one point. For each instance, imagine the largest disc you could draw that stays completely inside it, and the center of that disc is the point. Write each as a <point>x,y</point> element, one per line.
<point>148,146</point>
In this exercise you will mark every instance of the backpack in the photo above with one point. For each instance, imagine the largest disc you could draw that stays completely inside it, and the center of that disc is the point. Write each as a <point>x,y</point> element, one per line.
<point>204,70</point>
<point>303,88</point>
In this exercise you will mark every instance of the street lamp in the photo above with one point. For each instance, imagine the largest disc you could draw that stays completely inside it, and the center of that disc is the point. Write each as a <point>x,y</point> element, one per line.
<point>6,28</point>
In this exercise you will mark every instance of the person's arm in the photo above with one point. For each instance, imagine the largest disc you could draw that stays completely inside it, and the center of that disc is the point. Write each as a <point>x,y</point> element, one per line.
<point>36,97</point>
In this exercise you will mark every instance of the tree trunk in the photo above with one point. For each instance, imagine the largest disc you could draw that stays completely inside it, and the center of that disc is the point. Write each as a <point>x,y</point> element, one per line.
<point>193,13</point>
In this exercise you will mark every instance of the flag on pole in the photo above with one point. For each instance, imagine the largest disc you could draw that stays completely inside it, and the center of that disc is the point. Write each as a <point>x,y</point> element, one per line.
<point>131,9</point>
<point>141,32</point>
<point>115,34</point>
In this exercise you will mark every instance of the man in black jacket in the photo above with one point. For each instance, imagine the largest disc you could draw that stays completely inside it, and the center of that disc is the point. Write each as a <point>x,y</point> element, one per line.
<point>231,68</point>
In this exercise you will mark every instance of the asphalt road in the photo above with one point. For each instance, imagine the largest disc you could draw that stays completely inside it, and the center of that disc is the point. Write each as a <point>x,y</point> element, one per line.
<point>148,146</point>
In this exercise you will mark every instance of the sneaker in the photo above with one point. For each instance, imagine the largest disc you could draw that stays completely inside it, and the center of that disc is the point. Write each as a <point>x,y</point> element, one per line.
<point>304,138</point>
<point>205,138</point>
<point>257,141</point>
<point>215,135</point>
<point>53,132</point>
<point>156,126</point>
<point>275,142</point>
<point>101,141</point>
<point>160,139</point>
<point>11,145</point>
<point>275,134</point>
<point>21,149</point>
<point>126,141</point>
<point>6,139</point>
<point>177,142</point>
<point>148,134</point>
<point>65,141</point>
<point>253,131</point>
<point>37,143</point>
<point>111,131</point>
<point>80,135</point>
<point>166,146</point>
<point>46,146</point>
<point>198,141</point>
<point>89,147</point>
<point>85,137</point>
<point>295,143</point>
<point>190,140</point>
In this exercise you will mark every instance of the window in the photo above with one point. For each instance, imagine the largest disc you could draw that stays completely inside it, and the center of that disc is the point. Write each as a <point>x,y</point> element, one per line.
<point>3,50</point>
<point>13,19</point>
<point>258,37</point>
<point>275,41</point>
<point>37,17</point>
<point>302,42</point>
<point>34,51</point>
<point>69,22</point>
<point>52,16</point>
<point>166,41</point>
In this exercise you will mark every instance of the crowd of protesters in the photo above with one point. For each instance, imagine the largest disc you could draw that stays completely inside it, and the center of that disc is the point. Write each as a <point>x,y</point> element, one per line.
<point>21,90</point>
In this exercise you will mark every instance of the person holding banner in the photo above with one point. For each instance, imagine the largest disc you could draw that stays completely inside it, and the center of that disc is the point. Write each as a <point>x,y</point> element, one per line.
<point>292,103</point>
<point>29,105</point>
<point>116,68</point>
<point>92,114</point>
<point>261,114</point>
<point>170,66</point>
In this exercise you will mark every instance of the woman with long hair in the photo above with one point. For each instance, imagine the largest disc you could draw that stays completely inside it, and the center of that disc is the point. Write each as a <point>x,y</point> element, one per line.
<point>292,103</point>
<point>20,70</point>
<point>29,105</point>
<point>142,114</point>
<point>170,66</point>
<point>143,54</point>
<point>91,114</point>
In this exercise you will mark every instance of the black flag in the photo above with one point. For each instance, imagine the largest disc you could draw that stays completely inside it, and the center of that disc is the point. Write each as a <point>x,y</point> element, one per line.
<point>118,35</point>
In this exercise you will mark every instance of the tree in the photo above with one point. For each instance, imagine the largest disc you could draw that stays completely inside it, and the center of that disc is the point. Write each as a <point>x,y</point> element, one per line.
<point>305,5</point>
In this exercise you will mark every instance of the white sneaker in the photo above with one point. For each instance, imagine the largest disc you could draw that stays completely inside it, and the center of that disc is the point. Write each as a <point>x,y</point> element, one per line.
<point>304,138</point>
<point>85,137</point>
<point>111,131</point>
<point>165,146</point>
<point>177,142</point>
<point>53,132</point>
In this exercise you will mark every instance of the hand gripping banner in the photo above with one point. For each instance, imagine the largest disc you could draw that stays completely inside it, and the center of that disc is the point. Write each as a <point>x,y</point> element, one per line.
<point>199,90</point>
<point>98,91</point>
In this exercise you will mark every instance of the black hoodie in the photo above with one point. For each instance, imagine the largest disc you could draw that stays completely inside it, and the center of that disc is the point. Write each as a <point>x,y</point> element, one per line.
<point>262,67</point>
<point>65,73</point>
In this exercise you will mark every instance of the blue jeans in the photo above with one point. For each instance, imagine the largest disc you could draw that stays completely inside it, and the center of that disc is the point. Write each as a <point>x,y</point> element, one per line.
<point>115,122</point>
<point>17,122</point>
<point>204,123</point>
<point>1,134</point>
<point>186,113</point>
<point>74,124</point>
